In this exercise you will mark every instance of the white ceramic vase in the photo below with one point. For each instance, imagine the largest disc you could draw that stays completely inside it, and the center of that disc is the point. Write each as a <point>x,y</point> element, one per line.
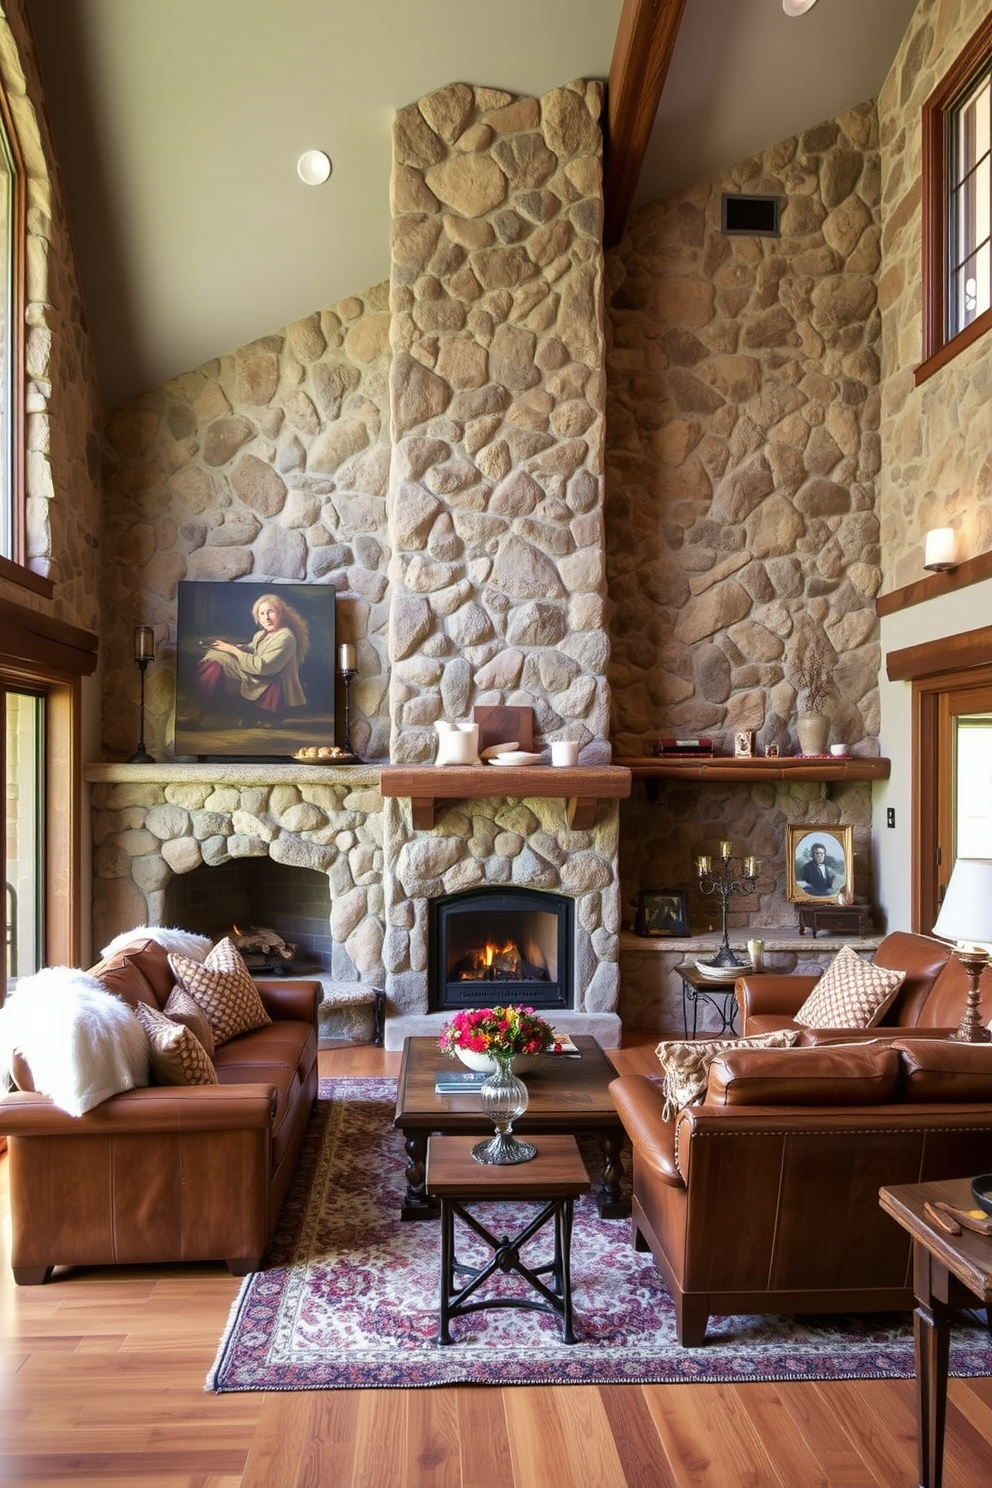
<point>457,743</point>
<point>485,1064</point>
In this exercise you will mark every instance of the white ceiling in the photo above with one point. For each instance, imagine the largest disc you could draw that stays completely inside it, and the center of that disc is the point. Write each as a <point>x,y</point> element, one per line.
<point>178,124</point>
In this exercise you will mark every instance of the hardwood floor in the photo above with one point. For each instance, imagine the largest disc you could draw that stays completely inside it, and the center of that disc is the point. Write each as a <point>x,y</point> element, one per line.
<point>103,1377</point>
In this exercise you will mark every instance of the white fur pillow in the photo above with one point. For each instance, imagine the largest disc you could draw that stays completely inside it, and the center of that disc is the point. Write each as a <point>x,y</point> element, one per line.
<point>181,942</point>
<point>81,1043</point>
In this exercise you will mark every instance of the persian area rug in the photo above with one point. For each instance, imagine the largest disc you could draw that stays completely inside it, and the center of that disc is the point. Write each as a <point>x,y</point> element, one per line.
<point>349,1296</point>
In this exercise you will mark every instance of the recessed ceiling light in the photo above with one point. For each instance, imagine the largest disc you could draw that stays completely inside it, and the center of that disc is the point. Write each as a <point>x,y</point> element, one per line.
<point>797,7</point>
<point>313,167</point>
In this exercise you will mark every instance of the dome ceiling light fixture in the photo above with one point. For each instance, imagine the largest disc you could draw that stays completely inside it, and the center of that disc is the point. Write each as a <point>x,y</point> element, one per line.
<point>313,167</point>
<point>797,7</point>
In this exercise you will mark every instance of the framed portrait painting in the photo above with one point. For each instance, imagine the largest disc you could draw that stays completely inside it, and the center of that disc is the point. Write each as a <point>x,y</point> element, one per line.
<point>662,912</point>
<point>819,863</point>
<point>255,669</point>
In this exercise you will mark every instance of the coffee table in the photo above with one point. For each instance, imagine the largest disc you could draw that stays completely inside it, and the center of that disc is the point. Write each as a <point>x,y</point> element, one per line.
<point>567,1095</point>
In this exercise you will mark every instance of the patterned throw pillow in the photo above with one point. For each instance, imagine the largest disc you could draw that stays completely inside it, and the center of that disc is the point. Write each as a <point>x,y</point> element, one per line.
<point>686,1063</point>
<point>177,1057</point>
<point>223,988</point>
<point>181,1008</point>
<point>850,994</point>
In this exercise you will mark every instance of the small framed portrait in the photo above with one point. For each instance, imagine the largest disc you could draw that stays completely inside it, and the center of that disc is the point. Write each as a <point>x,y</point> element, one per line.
<point>744,743</point>
<point>819,863</point>
<point>662,912</point>
<point>771,751</point>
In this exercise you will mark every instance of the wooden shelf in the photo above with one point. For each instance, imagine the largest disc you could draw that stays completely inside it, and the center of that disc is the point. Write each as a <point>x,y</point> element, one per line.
<point>583,786</point>
<point>727,767</point>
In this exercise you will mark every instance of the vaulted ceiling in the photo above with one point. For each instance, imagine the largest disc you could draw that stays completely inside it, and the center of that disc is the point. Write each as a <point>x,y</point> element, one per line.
<point>178,125</point>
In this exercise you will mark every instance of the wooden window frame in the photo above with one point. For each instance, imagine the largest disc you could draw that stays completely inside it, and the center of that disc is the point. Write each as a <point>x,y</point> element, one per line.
<point>14,565</point>
<point>45,655</point>
<point>938,348</point>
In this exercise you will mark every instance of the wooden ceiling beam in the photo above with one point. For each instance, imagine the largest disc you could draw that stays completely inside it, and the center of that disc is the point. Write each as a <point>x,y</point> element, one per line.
<point>641,55</point>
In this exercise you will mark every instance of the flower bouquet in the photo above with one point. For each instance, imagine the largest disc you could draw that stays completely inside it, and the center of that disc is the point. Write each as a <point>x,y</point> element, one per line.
<point>492,1034</point>
<point>490,1039</point>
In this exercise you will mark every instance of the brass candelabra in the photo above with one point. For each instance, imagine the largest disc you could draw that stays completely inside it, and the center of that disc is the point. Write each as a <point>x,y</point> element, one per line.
<point>721,880</point>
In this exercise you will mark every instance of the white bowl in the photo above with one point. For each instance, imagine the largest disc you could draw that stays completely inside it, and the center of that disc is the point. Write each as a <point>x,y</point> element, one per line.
<point>517,757</point>
<point>722,973</point>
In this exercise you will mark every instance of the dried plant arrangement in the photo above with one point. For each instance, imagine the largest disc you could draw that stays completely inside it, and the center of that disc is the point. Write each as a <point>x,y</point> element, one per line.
<point>813,677</point>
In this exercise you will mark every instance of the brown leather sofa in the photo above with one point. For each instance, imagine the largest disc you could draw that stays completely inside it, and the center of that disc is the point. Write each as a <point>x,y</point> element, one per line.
<point>764,1197</point>
<point>166,1173</point>
<point>932,997</point>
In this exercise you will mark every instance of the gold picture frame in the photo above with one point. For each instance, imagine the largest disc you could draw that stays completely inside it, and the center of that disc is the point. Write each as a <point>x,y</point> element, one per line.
<point>819,863</point>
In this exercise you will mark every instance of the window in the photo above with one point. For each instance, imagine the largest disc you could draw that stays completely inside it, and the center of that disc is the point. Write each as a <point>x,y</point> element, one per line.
<point>24,745</point>
<point>12,240</point>
<point>957,206</point>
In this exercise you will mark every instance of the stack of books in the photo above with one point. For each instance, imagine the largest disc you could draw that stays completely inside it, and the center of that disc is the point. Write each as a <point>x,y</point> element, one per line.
<point>684,747</point>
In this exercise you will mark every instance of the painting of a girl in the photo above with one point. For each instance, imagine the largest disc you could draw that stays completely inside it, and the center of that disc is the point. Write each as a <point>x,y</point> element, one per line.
<point>259,688</point>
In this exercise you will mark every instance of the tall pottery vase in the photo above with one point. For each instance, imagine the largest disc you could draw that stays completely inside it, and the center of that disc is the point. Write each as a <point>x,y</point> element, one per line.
<point>814,731</point>
<point>503,1096</point>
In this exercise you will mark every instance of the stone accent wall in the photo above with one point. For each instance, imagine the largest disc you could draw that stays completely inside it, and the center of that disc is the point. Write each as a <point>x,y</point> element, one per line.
<point>937,469</point>
<point>63,416</point>
<point>742,458</point>
<point>498,580</point>
<point>270,464</point>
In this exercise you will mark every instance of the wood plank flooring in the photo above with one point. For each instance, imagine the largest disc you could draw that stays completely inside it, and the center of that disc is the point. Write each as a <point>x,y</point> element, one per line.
<point>102,1384</point>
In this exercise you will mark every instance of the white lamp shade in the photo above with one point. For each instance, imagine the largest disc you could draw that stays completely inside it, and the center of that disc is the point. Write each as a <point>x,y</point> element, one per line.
<point>941,549</point>
<point>966,913</point>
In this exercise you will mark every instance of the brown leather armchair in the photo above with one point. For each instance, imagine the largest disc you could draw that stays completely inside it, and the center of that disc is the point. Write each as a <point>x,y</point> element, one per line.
<point>764,1197</point>
<point>931,999</point>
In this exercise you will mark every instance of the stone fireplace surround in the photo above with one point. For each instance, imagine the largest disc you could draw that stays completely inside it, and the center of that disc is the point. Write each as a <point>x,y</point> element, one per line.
<point>153,821</point>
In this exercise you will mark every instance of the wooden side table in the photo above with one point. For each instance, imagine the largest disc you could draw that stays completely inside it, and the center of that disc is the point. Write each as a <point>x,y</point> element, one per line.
<point>948,1271</point>
<point>554,1178</point>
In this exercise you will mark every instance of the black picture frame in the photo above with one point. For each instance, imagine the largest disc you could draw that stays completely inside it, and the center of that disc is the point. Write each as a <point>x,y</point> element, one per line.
<point>225,722</point>
<point>662,913</point>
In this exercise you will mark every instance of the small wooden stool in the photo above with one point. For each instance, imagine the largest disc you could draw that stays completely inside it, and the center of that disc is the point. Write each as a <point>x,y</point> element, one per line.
<point>555,1178</point>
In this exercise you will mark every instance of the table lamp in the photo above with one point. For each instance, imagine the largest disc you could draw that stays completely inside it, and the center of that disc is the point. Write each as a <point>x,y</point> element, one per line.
<point>966,918</point>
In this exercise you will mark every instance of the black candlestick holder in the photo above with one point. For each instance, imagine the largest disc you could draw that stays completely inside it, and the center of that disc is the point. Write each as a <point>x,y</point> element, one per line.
<point>346,675</point>
<point>726,885</point>
<point>141,755</point>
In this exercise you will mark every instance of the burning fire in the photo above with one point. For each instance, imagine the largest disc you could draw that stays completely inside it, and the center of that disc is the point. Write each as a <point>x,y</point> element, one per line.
<point>496,963</point>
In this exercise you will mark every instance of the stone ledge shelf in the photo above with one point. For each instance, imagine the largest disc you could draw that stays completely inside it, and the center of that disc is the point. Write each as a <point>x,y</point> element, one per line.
<point>584,786</point>
<point>233,772</point>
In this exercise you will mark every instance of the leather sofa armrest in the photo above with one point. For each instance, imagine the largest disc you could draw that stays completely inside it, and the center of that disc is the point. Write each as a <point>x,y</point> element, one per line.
<point>763,994</point>
<point>151,1109</point>
<point>639,1102</point>
<point>284,997</point>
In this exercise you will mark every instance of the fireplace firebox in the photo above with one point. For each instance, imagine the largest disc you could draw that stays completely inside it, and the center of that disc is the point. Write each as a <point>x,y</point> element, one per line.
<point>500,945</point>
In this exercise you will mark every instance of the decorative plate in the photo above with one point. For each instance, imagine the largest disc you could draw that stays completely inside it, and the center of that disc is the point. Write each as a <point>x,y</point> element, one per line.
<point>341,758</point>
<point>722,973</point>
<point>517,757</point>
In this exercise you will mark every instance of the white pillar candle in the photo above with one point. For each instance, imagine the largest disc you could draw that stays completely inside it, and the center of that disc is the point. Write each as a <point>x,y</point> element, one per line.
<point>346,657</point>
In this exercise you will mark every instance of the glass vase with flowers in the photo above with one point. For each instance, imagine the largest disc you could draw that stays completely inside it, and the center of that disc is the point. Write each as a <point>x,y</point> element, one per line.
<point>492,1038</point>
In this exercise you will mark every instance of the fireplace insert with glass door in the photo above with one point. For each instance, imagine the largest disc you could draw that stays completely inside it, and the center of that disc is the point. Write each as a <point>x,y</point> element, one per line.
<point>492,946</point>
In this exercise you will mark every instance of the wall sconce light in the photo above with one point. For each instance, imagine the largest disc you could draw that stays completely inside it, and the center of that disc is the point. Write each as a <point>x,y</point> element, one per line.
<point>940,551</point>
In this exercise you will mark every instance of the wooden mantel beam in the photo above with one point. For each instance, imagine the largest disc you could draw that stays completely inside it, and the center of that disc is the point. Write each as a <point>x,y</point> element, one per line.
<point>641,55</point>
